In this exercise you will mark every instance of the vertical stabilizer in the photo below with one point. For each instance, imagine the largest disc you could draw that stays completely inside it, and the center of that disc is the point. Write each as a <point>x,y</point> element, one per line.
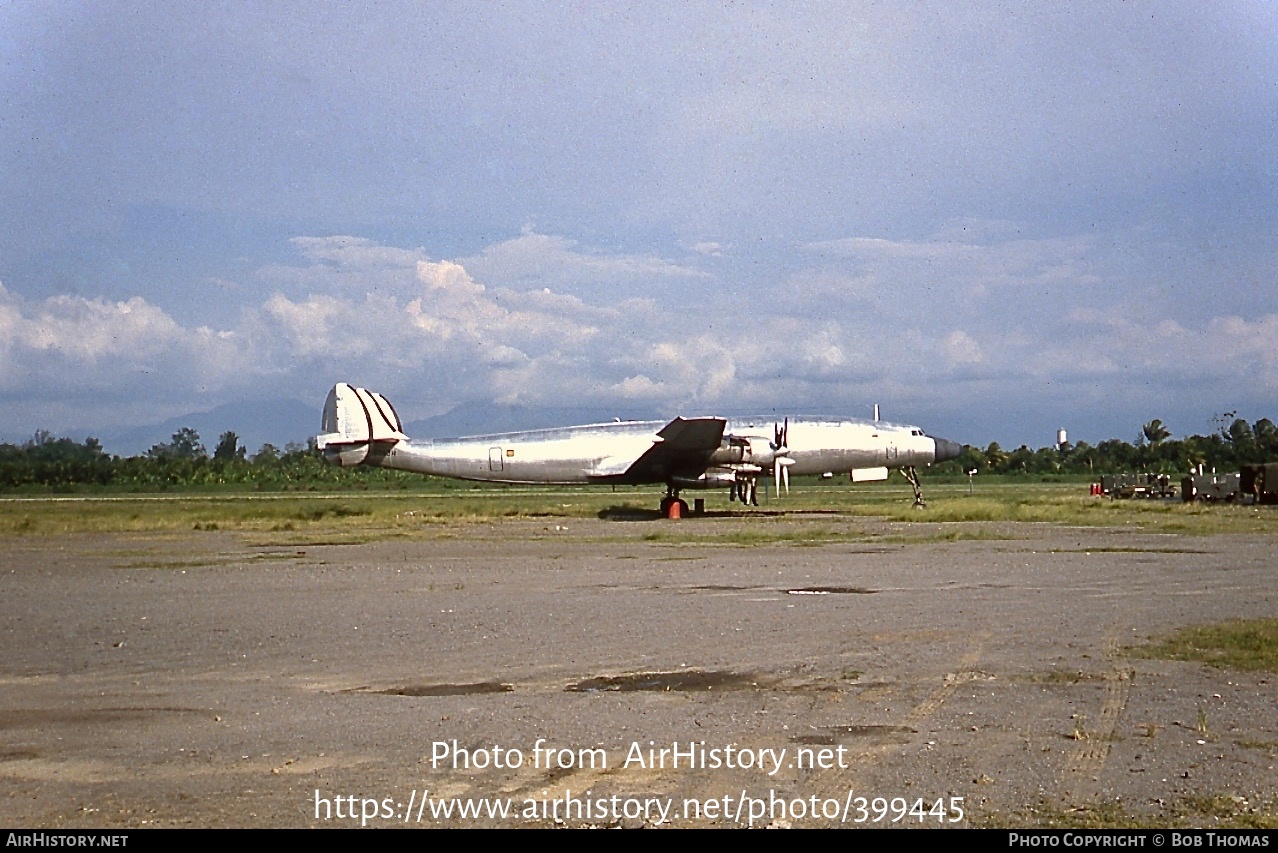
<point>354,418</point>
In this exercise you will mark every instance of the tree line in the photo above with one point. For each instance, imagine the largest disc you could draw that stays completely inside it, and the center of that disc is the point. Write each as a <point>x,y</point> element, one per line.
<point>1233,444</point>
<point>47,461</point>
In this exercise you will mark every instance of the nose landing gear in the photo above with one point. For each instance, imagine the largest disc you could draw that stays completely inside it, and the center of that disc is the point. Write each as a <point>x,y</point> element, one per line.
<point>913,476</point>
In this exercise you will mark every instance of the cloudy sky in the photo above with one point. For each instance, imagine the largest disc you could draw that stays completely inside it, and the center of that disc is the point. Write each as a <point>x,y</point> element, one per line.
<point>993,219</point>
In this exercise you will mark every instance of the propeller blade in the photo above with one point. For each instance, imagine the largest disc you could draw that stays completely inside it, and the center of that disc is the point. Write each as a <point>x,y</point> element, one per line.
<point>781,437</point>
<point>781,471</point>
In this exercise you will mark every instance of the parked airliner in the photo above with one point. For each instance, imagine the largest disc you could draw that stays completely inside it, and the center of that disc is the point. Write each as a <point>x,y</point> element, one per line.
<point>362,427</point>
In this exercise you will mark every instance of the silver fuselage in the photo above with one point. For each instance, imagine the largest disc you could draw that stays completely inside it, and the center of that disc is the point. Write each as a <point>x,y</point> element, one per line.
<point>599,453</point>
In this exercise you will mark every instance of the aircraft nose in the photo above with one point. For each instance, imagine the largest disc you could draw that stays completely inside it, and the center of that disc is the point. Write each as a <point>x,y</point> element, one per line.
<point>946,449</point>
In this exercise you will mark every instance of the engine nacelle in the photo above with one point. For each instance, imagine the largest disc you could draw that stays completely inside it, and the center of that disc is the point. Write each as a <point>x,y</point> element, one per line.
<point>708,480</point>
<point>754,450</point>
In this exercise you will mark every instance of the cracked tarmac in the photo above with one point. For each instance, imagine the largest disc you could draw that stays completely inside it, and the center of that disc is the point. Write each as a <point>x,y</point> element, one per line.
<point>221,679</point>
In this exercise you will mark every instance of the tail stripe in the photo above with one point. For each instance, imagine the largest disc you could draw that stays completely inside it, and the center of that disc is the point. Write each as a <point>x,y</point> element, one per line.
<point>368,416</point>
<point>393,419</point>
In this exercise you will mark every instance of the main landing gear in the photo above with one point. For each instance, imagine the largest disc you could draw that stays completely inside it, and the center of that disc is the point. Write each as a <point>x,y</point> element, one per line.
<point>673,506</point>
<point>745,490</point>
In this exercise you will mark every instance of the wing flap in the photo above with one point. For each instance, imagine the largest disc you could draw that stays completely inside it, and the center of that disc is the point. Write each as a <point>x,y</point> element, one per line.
<point>612,466</point>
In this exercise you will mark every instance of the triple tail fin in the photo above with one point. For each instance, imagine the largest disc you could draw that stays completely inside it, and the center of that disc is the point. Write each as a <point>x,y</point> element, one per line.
<point>353,419</point>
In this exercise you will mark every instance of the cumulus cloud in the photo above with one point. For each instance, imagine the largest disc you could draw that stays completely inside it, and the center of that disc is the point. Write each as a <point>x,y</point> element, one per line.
<point>343,250</point>
<point>462,339</point>
<point>112,360</point>
<point>959,348</point>
<point>345,266</point>
<point>320,326</point>
<point>1222,352</point>
<point>533,259</point>
<point>940,324</point>
<point>820,201</point>
<point>639,388</point>
<point>961,272</point>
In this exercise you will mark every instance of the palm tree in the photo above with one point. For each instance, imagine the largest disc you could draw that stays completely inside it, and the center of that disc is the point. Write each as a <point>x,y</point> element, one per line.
<point>995,456</point>
<point>1155,432</point>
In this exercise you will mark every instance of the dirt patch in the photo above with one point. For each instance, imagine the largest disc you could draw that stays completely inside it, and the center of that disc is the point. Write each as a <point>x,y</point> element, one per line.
<point>683,680</point>
<point>478,688</point>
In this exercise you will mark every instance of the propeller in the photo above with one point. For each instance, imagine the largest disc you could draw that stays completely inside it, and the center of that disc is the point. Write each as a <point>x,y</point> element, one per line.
<point>781,470</point>
<point>781,462</point>
<point>779,435</point>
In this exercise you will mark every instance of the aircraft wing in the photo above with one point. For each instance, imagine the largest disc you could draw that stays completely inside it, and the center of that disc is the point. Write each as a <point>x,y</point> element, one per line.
<point>683,449</point>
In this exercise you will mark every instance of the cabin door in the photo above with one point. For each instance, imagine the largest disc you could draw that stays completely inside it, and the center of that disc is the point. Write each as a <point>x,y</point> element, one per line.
<point>496,459</point>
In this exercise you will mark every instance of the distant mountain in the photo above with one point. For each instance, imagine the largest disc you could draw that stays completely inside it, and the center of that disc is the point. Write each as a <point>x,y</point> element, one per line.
<point>480,418</point>
<point>256,422</point>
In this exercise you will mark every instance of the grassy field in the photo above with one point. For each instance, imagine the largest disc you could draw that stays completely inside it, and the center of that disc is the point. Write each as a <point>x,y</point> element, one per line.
<point>1247,644</point>
<point>404,512</point>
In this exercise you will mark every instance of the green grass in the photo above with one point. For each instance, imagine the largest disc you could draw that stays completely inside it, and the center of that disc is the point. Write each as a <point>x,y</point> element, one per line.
<point>389,513</point>
<point>209,562</point>
<point>812,513</point>
<point>1264,745</point>
<point>805,535</point>
<point>1250,644</point>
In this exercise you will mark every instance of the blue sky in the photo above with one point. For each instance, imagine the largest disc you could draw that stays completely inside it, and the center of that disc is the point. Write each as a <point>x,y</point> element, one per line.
<point>992,219</point>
